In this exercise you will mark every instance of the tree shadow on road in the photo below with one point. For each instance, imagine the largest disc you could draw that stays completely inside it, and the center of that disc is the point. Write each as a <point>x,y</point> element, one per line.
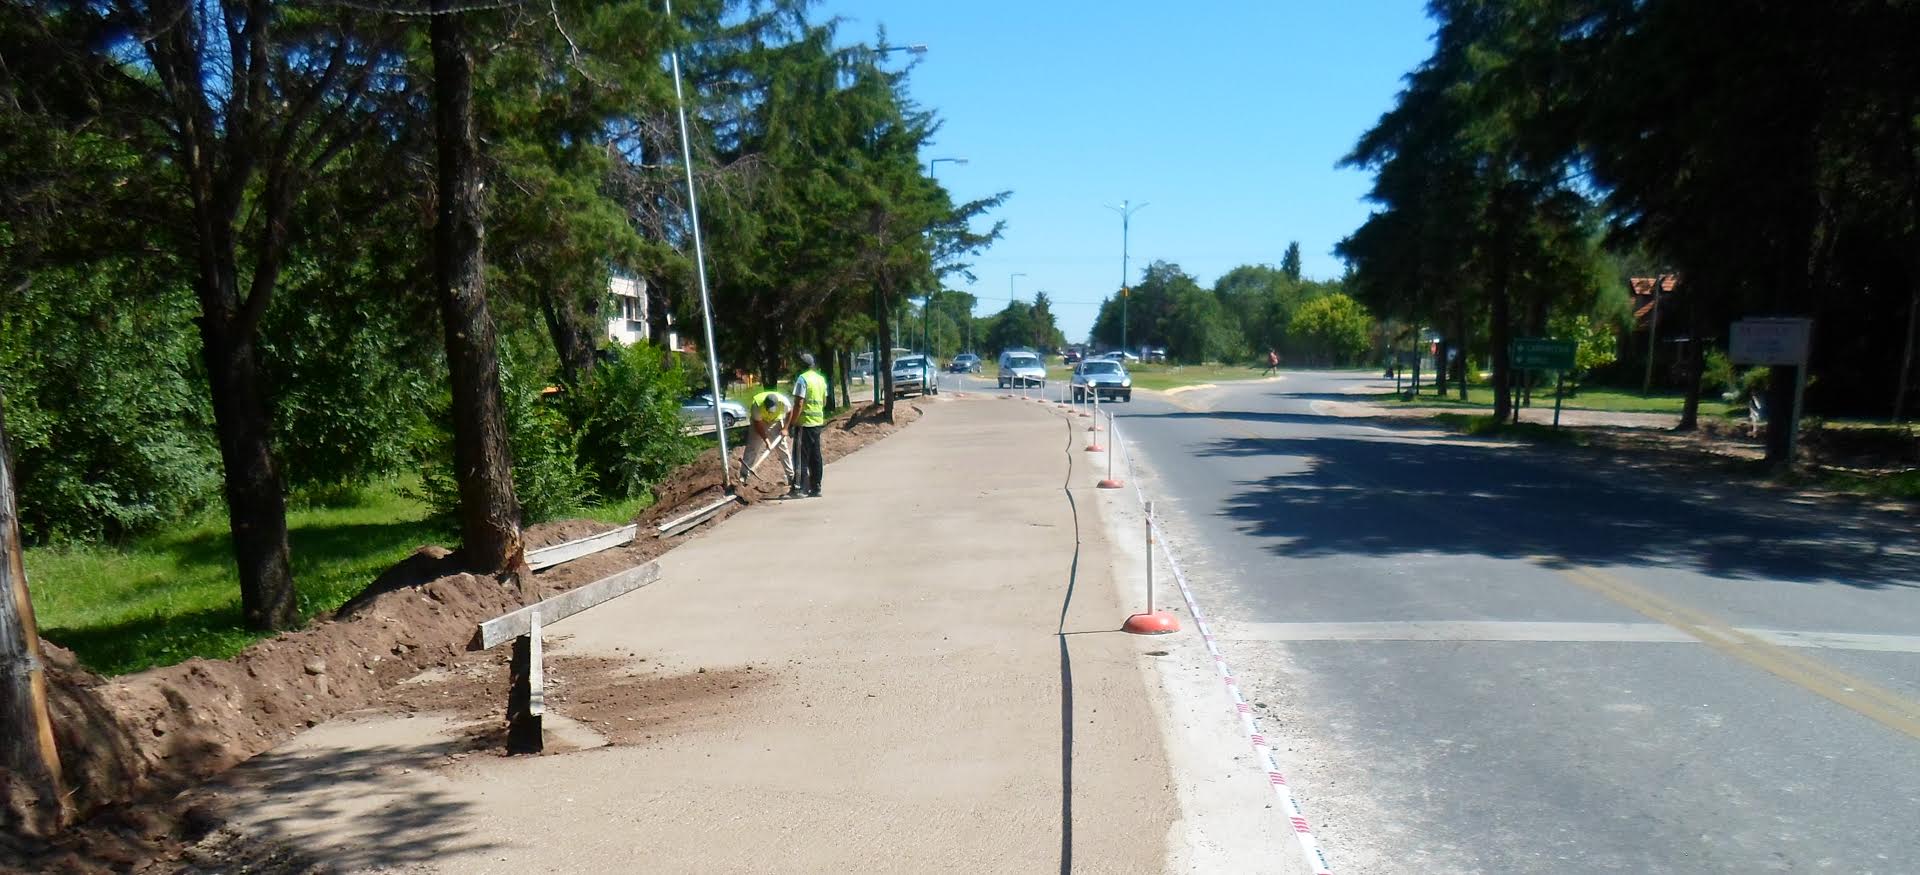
<point>1353,495</point>
<point>349,795</point>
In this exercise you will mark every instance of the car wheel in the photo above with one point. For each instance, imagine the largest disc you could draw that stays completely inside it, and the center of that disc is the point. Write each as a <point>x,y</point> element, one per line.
<point>729,420</point>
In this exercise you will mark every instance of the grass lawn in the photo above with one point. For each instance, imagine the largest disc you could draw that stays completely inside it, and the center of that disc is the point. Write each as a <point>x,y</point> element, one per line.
<point>174,595</point>
<point>1615,400</point>
<point>1164,377</point>
<point>1902,485</point>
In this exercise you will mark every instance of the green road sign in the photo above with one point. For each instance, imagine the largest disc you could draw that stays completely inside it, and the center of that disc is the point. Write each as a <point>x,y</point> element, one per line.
<point>1542,354</point>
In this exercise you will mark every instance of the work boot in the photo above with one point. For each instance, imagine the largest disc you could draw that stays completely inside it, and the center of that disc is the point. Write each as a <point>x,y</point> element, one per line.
<point>795,493</point>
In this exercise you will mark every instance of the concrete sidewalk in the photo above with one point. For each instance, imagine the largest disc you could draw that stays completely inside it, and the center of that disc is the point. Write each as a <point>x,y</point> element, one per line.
<point>868,682</point>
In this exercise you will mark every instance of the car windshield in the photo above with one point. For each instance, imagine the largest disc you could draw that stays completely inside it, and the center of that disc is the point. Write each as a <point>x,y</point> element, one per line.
<point>914,362</point>
<point>1023,361</point>
<point>1100,368</point>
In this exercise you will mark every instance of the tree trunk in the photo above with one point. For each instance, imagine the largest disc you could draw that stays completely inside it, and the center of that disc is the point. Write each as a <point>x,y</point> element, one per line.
<point>846,376</point>
<point>489,512</point>
<point>256,496</point>
<point>572,335</point>
<point>1696,365</point>
<point>883,367</point>
<point>1460,365</point>
<point>32,798</point>
<point>1499,328</point>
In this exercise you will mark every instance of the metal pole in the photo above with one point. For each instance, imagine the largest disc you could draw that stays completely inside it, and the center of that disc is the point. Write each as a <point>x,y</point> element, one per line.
<point>1126,275</point>
<point>1113,438</point>
<point>1149,557</point>
<point>700,269</point>
<point>1126,209</point>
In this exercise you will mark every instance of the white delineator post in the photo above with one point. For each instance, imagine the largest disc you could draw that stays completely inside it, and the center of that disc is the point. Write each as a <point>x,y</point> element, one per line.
<point>1150,621</point>
<point>1113,447</point>
<point>1148,525</point>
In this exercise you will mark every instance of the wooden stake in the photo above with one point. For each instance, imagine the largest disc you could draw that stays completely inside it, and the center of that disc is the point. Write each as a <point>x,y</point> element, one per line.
<point>26,739</point>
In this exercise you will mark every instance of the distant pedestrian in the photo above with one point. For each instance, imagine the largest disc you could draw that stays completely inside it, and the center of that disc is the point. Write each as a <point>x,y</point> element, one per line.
<point>770,413</point>
<point>808,419</point>
<point>1273,363</point>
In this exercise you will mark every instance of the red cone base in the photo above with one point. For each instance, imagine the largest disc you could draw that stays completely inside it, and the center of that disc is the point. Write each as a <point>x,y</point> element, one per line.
<point>1111,483</point>
<point>1096,448</point>
<point>1156,623</point>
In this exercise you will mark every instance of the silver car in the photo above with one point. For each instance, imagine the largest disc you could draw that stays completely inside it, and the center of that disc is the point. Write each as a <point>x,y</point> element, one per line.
<point>1103,378</point>
<point>697,412</point>
<point>1021,369</point>
<point>915,374</point>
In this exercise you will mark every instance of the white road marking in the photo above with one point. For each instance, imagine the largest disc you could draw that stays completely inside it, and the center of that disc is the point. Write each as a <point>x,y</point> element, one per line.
<point>1501,630</point>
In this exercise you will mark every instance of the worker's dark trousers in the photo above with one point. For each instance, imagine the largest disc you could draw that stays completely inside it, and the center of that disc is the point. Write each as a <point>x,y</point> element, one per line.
<point>812,467</point>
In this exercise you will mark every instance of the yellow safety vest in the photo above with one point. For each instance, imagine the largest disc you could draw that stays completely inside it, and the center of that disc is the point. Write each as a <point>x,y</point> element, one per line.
<point>778,415</point>
<point>814,413</point>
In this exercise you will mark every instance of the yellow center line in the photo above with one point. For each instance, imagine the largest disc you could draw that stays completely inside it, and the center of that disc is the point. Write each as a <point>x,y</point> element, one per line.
<point>1881,705</point>
<point>1870,700</point>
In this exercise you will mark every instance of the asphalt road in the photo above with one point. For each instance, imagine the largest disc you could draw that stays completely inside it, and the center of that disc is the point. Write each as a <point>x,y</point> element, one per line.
<point>1486,657</point>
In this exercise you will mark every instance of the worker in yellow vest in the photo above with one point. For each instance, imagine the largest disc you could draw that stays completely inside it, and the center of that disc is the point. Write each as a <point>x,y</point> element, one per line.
<point>808,419</point>
<point>770,411</point>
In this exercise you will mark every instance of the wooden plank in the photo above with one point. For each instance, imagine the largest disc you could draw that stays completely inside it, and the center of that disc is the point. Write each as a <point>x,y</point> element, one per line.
<point>510,626</point>
<point>536,672</point>
<point>697,516</point>
<point>523,726</point>
<point>547,557</point>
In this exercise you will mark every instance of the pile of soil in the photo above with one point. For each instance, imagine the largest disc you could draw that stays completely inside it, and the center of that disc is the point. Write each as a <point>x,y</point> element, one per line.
<point>148,735</point>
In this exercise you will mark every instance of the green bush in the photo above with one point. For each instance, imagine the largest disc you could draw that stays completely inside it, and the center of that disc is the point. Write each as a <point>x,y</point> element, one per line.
<point>109,420</point>
<point>628,418</point>
<point>548,478</point>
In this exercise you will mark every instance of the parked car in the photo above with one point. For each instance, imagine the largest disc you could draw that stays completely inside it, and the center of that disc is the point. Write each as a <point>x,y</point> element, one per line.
<point>915,375</point>
<point>1103,378</point>
<point>697,412</point>
<point>1157,354</point>
<point>1018,368</point>
<point>964,363</point>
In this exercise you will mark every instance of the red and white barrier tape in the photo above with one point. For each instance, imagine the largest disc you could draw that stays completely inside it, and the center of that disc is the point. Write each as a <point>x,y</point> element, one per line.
<point>1310,847</point>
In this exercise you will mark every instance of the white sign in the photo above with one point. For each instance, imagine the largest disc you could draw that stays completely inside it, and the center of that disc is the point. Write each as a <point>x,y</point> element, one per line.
<point>1770,341</point>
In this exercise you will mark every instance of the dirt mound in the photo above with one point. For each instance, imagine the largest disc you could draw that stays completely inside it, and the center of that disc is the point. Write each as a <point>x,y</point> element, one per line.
<point>150,734</point>
<point>622,701</point>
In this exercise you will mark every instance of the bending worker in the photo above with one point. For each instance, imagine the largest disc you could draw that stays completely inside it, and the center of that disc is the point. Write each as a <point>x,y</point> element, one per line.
<point>769,418</point>
<point>810,415</point>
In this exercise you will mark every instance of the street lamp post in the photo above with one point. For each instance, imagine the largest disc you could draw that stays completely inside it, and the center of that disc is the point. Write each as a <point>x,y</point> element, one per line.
<point>926,310</point>
<point>700,270</point>
<point>1126,211</point>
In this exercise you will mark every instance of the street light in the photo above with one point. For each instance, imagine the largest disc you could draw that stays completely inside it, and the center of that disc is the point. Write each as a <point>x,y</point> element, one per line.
<point>1126,212</point>
<point>700,269</point>
<point>911,48</point>
<point>933,172</point>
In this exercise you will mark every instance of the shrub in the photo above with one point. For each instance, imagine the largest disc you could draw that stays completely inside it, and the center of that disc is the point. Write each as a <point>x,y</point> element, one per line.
<point>628,417</point>
<point>548,478</point>
<point>108,416</point>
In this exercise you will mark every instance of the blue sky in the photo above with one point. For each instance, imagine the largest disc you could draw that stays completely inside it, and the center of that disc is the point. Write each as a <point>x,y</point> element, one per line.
<point>1226,117</point>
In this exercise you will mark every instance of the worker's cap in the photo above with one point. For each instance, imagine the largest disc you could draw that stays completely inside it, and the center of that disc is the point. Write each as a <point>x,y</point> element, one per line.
<point>806,358</point>
<point>770,402</point>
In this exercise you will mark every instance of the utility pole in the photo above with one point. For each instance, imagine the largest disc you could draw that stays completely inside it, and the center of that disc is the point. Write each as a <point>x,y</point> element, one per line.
<point>26,742</point>
<point>1126,211</point>
<point>926,324</point>
<point>700,270</point>
<point>1653,334</point>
